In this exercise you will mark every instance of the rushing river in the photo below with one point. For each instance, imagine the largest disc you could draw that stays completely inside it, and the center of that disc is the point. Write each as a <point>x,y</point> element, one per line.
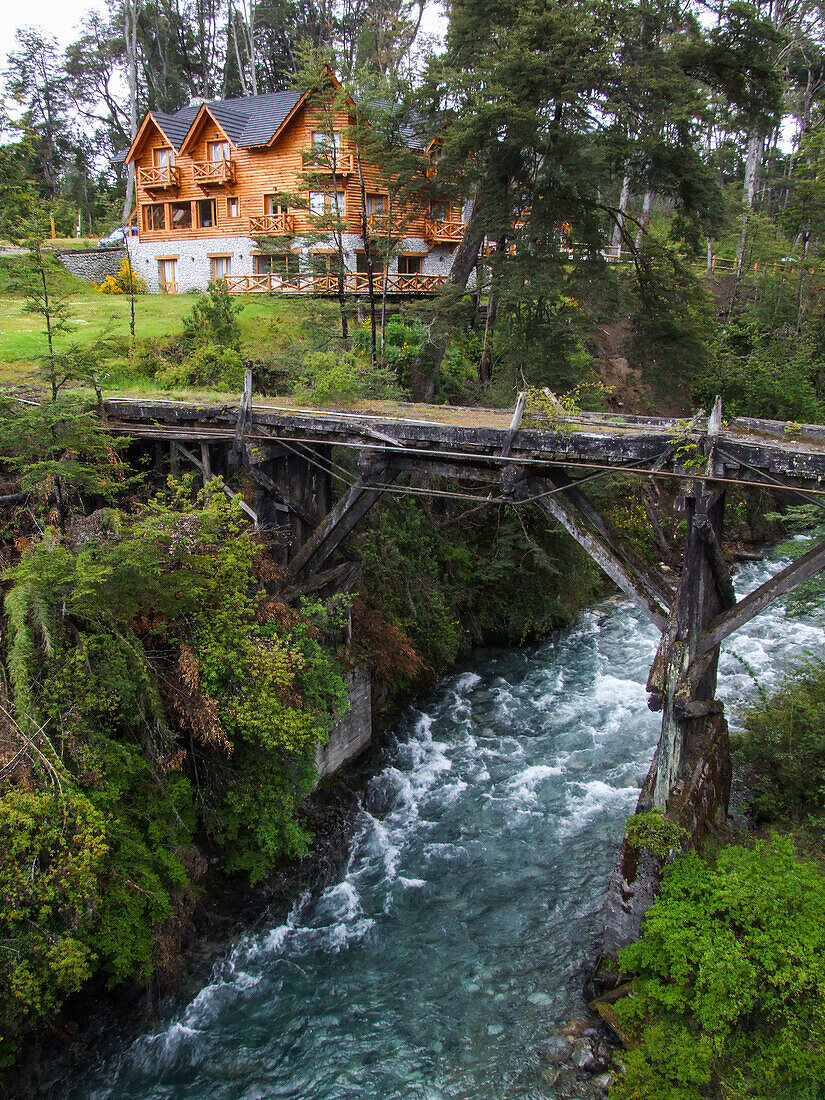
<point>456,939</point>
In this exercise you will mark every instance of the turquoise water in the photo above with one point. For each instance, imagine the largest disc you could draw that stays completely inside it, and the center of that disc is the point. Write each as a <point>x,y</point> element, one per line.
<point>457,936</point>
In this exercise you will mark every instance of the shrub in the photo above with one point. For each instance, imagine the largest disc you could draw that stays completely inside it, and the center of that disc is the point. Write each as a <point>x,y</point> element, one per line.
<point>210,365</point>
<point>125,282</point>
<point>213,319</point>
<point>783,747</point>
<point>728,997</point>
<point>343,377</point>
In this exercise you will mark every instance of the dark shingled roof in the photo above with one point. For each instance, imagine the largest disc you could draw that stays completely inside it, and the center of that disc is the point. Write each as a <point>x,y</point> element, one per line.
<point>250,120</point>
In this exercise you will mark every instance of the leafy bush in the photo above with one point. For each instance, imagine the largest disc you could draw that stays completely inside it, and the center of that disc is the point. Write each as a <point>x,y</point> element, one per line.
<point>728,998</point>
<point>210,366</point>
<point>343,377</point>
<point>125,282</point>
<point>783,747</point>
<point>176,697</point>
<point>213,319</point>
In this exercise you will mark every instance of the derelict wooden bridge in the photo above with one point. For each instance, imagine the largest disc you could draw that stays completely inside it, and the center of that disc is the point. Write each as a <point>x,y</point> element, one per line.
<point>288,458</point>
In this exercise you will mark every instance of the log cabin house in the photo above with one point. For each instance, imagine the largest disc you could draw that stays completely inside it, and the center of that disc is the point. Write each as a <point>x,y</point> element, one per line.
<point>245,190</point>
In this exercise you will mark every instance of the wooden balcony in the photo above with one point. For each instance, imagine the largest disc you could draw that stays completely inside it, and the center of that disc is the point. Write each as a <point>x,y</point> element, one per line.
<point>160,176</point>
<point>213,173</point>
<point>275,224</point>
<point>449,231</point>
<point>167,287</point>
<point>326,284</point>
<point>322,162</point>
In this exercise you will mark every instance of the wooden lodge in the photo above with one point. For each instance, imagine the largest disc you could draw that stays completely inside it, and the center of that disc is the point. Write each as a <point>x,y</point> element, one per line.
<point>250,191</point>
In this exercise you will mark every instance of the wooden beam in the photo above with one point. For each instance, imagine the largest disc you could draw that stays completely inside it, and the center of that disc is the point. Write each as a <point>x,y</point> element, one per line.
<point>281,497</point>
<point>342,576</point>
<point>718,565</point>
<point>747,608</point>
<point>514,423</point>
<point>347,513</point>
<point>177,446</point>
<point>599,551</point>
<point>660,591</point>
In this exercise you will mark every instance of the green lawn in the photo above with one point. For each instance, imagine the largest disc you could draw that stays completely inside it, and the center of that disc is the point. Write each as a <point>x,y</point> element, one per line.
<point>267,324</point>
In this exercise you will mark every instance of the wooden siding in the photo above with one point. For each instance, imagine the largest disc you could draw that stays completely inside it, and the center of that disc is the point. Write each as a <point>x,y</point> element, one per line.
<point>254,173</point>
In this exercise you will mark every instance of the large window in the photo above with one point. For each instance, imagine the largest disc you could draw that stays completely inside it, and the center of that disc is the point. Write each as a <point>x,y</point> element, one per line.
<point>376,204</point>
<point>325,143</point>
<point>163,158</point>
<point>284,264</point>
<point>217,150</point>
<point>154,216</point>
<point>206,213</point>
<point>409,265</point>
<point>180,215</point>
<point>321,202</point>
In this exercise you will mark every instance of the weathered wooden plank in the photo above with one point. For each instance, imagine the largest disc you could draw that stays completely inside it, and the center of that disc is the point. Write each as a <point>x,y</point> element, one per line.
<point>747,608</point>
<point>599,551</point>
<point>514,423</point>
<point>280,495</point>
<point>718,565</point>
<point>342,576</point>
<point>178,447</point>
<point>341,520</point>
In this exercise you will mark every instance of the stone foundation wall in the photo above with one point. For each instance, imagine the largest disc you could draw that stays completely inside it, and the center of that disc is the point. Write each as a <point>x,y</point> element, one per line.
<point>352,733</point>
<point>194,265</point>
<point>92,264</point>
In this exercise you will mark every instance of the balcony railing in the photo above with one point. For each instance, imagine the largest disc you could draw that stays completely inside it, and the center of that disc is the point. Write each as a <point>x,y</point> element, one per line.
<point>213,173</point>
<point>321,161</point>
<point>449,231</point>
<point>168,287</point>
<point>326,283</point>
<point>278,224</point>
<point>160,175</point>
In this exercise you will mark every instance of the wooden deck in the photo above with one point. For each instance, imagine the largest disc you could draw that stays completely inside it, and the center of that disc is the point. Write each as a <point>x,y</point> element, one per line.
<point>326,285</point>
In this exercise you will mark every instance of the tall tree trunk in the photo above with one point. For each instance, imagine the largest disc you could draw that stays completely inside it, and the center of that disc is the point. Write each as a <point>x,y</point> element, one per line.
<point>365,237</point>
<point>748,194</point>
<point>485,367</point>
<point>645,218</point>
<point>130,14</point>
<point>616,239</point>
<point>429,359</point>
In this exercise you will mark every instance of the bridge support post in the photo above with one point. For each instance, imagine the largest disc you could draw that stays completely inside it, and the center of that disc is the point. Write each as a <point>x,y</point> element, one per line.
<point>689,780</point>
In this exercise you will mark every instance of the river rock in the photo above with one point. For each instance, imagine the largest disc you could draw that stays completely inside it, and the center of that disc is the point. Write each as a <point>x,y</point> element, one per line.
<point>575,1028</point>
<point>603,1082</point>
<point>590,1056</point>
<point>556,1050</point>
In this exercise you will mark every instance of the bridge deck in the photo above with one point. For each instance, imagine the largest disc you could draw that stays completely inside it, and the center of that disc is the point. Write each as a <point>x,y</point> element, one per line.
<point>748,451</point>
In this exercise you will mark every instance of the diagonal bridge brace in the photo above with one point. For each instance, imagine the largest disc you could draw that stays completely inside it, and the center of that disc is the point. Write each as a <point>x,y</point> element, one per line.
<point>599,548</point>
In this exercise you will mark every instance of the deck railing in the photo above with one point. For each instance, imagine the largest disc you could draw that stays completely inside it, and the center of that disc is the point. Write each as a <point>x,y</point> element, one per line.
<point>279,224</point>
<point>160,175</point>
<point>213,172</point>
<point>326,283</point>
<point>168,287</point>
<point>321,161</point>
<point>449,231</point>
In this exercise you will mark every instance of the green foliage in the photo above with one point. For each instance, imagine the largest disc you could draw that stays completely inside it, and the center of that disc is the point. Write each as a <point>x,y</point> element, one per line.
<point>343,377</point>
<point>210,365</point>
<point>651,830</point>
<point>61,446</point>
<point>213,319</point>
<point>450,587</point>
<point>673,323</point>
<point>52,855</point>
<point>783,748</point>
<point>171,698</point>
<point>729,981</point>
<point>778,378</point>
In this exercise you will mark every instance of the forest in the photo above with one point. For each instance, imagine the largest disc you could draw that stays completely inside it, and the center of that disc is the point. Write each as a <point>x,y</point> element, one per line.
<point>645,186</point>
